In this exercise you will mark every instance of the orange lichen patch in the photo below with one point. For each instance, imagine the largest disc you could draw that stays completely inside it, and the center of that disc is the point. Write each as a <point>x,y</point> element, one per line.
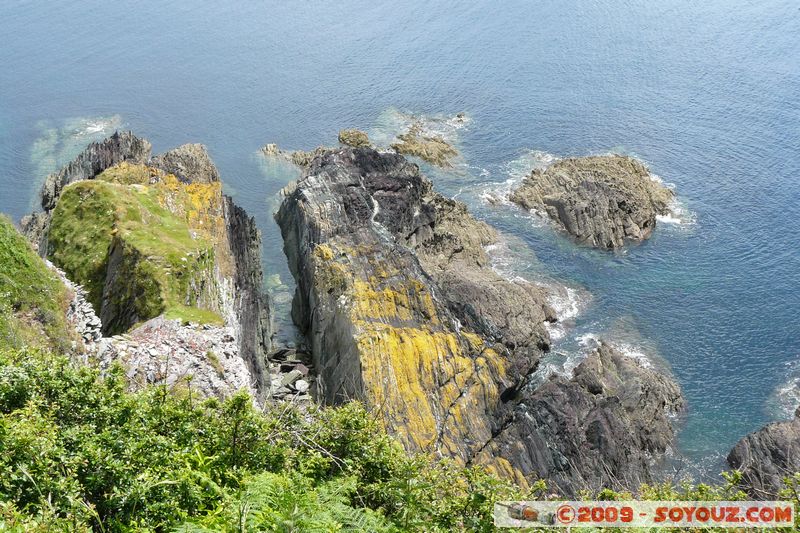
<point>433,388</point>
<point>323,251</point>
<point>404,301</point>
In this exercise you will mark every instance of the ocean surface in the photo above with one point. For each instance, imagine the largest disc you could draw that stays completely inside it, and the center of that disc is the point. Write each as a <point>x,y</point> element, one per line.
<point>706,93</point>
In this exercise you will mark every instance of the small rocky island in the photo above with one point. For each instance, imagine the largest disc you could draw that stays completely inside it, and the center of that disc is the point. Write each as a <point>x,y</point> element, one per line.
<point>414,141</point>
<point>602,201</point>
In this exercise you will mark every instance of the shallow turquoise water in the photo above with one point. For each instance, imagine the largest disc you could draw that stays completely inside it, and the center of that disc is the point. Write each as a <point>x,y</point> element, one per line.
<point>708,96</point>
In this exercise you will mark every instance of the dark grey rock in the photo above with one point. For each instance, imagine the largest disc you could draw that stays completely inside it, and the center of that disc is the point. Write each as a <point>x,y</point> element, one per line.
<point>767,456</point>
<point>600,200</point>
<point>602,428</point>
<point>383,263</point>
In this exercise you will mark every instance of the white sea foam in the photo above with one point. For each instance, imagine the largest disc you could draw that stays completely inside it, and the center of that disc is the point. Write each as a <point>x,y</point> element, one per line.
<point>634,352</point>
<point>590,341</point>
<point>568,303</point>
<point>516,170</point>
<point>785,399</point>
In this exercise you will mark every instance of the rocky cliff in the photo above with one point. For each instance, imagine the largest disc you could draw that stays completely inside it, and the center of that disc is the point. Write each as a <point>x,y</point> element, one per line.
<point>600,200</point>
<point>402,310</point>
<point>157,238</point>
<point>120,147</point>
<point>767,456</point>
<point>603,427</point>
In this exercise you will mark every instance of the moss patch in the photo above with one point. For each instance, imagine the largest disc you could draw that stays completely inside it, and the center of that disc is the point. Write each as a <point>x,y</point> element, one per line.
<point>147,238</point>
<point>33,301</point>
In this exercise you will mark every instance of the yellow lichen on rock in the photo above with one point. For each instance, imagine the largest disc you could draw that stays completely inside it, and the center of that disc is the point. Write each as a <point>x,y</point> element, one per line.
<point>427,385</point>
<point>426,380</point>
<point>324,252</point>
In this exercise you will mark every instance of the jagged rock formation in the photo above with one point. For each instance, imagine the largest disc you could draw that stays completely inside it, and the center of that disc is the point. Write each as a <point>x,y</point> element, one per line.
<point>120,147</point>
<point>600,200</point>
<point>765,457</point>
<point>602,427</point>
<point>402,310</point>
<point>146,242</point>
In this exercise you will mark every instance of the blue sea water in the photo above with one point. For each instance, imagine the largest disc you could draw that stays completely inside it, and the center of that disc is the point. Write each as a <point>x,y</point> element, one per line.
<point>708,94</point>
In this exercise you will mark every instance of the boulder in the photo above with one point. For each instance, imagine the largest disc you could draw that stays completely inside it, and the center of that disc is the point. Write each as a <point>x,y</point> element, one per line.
<point>767,456</point>
<point>189,162</point>
<point>602,201</point>
<point>354,138</point>
<point>431,148</point>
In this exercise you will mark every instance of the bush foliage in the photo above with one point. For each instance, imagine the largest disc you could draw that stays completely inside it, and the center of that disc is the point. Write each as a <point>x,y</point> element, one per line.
<point>78,452</point>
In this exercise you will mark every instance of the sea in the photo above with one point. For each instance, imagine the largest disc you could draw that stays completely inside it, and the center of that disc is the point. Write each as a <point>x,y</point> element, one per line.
<point>707,94</point>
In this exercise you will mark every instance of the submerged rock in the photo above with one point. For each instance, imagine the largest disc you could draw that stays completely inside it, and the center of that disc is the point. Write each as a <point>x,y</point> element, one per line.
<point>767,456</point>
<point>402,310</point>
<point>431,148</point>
<point>600,200</point>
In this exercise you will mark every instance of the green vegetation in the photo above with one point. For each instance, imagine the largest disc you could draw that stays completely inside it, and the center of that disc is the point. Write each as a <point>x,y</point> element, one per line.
<point>77,452</point>
<point>33,301</point>
<point>164,247</point>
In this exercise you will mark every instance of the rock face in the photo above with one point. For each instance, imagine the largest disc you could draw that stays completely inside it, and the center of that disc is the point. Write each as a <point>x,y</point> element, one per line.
<point>151,238</point>
<point>600,200</point>
<point>189,162</point>
<point>401,309</point>
<point>190,357</point>
<point>767,456</point>
<point>602,427</point>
